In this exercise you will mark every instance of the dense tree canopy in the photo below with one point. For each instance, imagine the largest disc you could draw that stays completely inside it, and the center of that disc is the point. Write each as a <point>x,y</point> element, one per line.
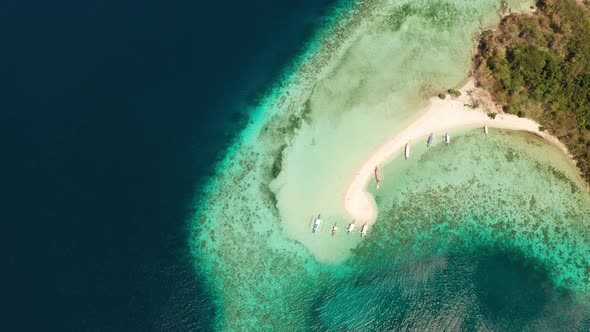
<point>539,66</point>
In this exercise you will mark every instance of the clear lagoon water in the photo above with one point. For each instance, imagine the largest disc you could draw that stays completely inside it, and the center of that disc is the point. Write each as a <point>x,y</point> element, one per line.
<point>160,142</point>
<point>489,233</point>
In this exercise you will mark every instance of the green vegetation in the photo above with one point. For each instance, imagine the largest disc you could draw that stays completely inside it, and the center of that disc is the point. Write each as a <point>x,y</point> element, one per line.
<point>454,93</point>
<point>442,96</point>
<point>492,115</point>
<point>475,105</point>
<point>539,66</point>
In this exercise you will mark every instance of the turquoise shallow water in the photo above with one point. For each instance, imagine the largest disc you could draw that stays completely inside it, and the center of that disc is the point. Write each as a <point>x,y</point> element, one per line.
<point>476,290</point>
<point>489,233</point>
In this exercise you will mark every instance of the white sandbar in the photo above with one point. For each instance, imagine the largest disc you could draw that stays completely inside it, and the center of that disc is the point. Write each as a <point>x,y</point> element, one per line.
<point>441,116</point>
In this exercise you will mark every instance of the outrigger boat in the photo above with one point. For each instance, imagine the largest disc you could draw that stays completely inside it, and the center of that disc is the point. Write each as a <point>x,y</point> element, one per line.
<point>364,230</point>
<point>377,176</point>
<point>447,139</point>
<point>334,230</point>
<point>407,152</point>
<point>485,129</point>
<point>316,224</point>
<point>350,227</point>
<point>430,140</point>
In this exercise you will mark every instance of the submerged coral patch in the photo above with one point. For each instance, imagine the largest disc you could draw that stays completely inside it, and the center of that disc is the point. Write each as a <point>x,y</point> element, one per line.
<point>359,81</point>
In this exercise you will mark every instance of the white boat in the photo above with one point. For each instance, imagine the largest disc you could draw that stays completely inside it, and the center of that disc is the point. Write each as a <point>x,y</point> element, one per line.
<point>447,138</point>
<point>316,224</point>
<point>407,152</point>
<point>485,129</point>
<point>334,230</point>
<point>350,227</point>
<point>364,230</point>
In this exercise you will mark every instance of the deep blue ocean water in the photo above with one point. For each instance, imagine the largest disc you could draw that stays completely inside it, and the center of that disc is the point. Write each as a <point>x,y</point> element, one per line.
<point>114,113</point>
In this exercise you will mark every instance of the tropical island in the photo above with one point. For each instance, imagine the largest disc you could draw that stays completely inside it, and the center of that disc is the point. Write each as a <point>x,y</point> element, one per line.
<point>537,65</point>
<point>483,226</point>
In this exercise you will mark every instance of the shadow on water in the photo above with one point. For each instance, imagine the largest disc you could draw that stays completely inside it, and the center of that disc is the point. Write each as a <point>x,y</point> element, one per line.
<point>465,291</point>
<point>510,288</point>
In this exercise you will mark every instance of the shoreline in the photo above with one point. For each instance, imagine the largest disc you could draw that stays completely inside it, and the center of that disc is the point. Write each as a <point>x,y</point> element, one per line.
<point>441,115</point>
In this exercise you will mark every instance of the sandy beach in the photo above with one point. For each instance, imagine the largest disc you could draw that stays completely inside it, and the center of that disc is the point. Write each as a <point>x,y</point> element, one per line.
<point>442,115</point>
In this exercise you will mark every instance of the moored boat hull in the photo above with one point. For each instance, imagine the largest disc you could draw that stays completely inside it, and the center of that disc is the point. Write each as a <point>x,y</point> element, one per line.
<point>377,176</point>
<point>334,230</point>
<point>350,228</point>
<point>364,230</point>
<point>316,224</point>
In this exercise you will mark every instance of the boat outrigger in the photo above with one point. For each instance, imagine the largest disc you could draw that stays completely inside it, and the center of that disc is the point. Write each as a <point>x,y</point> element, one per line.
<point>334,230</point>
<point>364,230</point>
<point>430,140</point>
<point>316,224</point>
<point>377,176</point>
<point>350,227</point>
<point>407,152</point>
<point>447,139</point>
<point>485,129</point>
